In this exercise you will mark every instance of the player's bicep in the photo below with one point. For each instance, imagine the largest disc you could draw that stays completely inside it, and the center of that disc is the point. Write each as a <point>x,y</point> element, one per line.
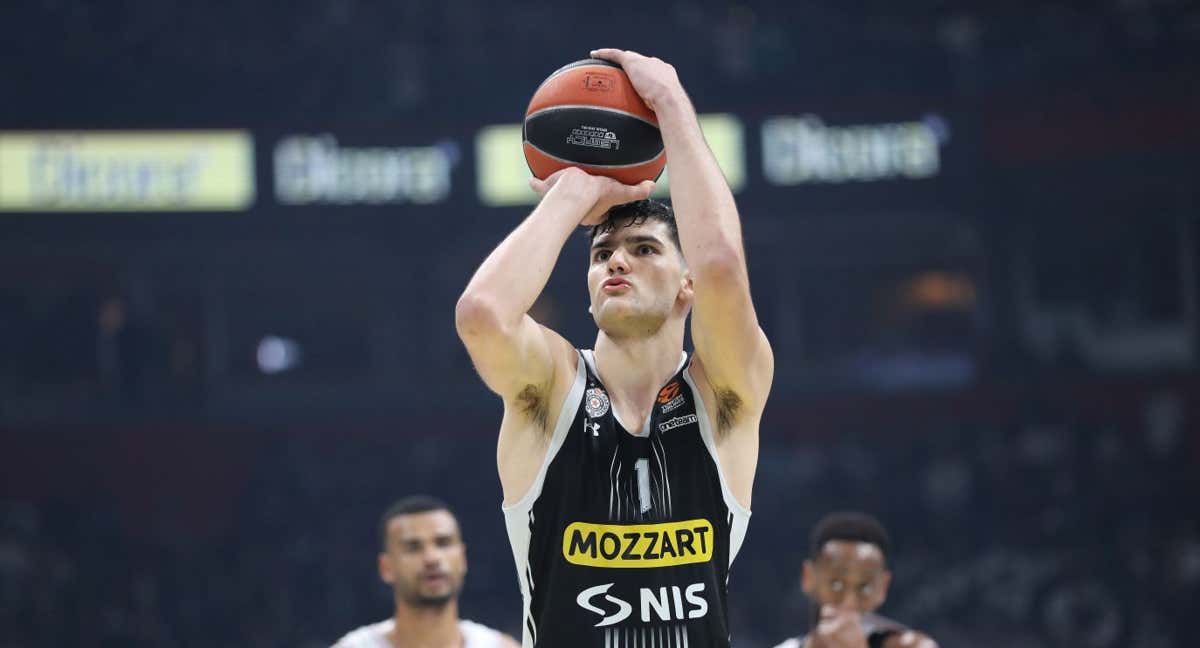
<point>516,361</point>
<point>728,339</point>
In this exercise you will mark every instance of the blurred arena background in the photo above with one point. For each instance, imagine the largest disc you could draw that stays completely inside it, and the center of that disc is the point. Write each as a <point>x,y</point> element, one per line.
<point>232,235</point>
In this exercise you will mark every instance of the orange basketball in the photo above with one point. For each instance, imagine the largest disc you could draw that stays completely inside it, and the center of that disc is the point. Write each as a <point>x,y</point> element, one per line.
<point>588,115</point>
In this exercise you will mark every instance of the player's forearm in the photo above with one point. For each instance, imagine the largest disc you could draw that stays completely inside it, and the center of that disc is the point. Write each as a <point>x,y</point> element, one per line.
<point>709,229</point>
<point>509,281</point>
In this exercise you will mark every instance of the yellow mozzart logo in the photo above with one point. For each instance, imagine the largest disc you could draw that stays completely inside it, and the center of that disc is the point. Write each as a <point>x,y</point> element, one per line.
<point>126,171</point>
<point>638,545</point>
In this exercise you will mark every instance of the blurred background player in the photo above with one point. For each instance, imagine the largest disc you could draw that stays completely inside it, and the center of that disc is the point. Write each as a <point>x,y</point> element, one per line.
<point>423,558</point>
<point>846,578</point>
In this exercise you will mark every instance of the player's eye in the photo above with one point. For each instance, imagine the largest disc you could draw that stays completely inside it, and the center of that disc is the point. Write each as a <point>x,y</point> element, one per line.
<point>602,255</point>
<point>645,249</point>
<point>837,585</point>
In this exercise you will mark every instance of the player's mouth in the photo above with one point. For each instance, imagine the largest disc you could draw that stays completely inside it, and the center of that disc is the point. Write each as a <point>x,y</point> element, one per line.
<point>616,285</point>
<point>434,578</point>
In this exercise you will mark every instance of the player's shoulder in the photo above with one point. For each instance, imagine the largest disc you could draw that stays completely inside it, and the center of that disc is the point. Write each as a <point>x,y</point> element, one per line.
<point>794,642</point>
<point>477,635</point>
<point>368,636</point>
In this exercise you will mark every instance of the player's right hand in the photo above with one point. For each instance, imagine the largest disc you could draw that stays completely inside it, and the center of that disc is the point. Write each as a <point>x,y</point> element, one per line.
<point>655,80</point>
<point>838,628</point>
<point>600,193</point>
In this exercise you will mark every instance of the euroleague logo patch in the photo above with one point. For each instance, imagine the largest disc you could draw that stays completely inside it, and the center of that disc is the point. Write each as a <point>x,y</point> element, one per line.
<point>670,398</point>
<point>595,402</point>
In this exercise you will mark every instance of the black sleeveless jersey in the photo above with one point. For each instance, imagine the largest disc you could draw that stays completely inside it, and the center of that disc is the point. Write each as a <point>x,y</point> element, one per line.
<point>626,539</point>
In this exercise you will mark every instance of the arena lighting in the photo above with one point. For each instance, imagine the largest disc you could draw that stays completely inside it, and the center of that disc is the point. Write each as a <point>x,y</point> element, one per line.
<point>277,354</point>
<point>942,290</point>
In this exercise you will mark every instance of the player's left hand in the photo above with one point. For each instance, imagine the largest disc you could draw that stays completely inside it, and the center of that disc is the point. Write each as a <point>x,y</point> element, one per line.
<point>838,628</point>
<point>599,192</point>
<point>654,80</point>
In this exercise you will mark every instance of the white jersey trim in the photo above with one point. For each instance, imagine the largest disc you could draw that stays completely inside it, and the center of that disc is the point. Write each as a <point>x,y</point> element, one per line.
<point>589,356</point>
<point>741,514</point>
<point>517,519</point>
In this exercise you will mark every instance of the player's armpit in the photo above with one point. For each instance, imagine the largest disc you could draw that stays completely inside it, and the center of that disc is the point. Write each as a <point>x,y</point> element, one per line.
<point>736,356</point>
<point>518,361</point>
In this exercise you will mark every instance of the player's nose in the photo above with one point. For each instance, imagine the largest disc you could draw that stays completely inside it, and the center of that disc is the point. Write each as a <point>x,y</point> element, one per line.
<point>618,261</point>
<point>851,602</point>
<point>432,556</point>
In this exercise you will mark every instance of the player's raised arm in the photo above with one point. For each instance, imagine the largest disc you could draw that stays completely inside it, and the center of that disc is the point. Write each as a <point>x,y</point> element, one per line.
<point>733,350</point>
<point>511,352</point>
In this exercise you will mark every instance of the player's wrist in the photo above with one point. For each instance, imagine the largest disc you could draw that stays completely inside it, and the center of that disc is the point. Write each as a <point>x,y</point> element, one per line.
<point>673,104</point>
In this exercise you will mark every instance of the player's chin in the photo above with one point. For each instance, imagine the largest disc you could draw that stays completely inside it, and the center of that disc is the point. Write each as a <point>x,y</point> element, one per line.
<point>618,296</point>
<point>613,313</point>
<point>436,597</point>
<point>622,304</point>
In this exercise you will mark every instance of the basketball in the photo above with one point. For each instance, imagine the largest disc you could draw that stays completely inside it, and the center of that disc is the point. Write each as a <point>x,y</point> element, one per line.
<point>587,114</point>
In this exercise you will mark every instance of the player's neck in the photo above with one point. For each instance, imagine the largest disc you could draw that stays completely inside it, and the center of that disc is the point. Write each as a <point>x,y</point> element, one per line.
<point>639,366</point>
<point>426,627</point>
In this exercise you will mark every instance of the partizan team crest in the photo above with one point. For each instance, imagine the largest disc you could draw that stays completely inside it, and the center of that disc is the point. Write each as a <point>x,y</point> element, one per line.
<point>595,402</point>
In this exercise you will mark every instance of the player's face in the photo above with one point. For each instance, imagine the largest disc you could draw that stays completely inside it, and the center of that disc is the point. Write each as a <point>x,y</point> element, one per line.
<point>426,560</point>
<point>637,279</point>
<point>848,575</point>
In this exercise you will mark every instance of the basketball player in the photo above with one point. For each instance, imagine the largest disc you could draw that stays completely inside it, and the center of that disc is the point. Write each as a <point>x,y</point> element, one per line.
<point>846,578</point>
<point>627,469</point>
<point>423,558</point>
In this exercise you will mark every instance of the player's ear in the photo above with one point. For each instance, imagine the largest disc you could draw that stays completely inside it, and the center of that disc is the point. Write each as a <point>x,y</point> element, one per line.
<point>808,580</point>
<point>687,290</point>
<point>385,570</point>
<point>885,581</point>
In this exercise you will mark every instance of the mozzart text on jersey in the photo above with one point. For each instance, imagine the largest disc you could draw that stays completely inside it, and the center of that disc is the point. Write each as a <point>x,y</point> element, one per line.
<point>638,545</point>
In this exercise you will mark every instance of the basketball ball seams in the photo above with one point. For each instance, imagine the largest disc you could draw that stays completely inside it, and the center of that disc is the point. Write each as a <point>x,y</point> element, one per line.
<point>587,135</point>
<point>631,165</point>
<point>570,85</point>
<point>618,111</point>
<point>587,114</point>
<point>632,175</point>
<point>576,64</point>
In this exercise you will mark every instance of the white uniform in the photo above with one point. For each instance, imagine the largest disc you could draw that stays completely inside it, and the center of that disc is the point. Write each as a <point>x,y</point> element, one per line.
<point>375,636</point>
<point>876,628</point>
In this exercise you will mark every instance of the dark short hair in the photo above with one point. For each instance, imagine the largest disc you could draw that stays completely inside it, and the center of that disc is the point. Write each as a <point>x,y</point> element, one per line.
<point>852,526</point>
<point>408,506</point>
<point>636,213</point>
